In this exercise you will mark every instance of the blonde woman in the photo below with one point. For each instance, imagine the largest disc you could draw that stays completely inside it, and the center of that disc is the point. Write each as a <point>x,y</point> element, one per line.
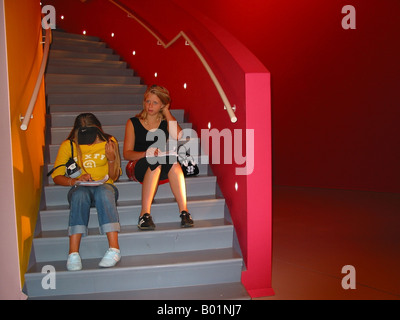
<point>97,154</point>
<point>150,167</point>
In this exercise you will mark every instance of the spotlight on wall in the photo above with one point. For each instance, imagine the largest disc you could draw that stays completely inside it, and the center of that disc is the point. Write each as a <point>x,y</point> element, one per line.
<point>112,35</point>
<point>156,75</point>
<point>84,32</point>
<point>134,53</point>
<point>185,85</point>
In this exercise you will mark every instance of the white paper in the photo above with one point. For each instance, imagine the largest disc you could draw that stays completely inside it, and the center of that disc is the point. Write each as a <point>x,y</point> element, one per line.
<point>93,183</point>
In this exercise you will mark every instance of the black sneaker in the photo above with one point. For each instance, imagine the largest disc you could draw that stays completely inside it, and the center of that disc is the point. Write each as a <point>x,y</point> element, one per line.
<point>146,222</point>
<point>186,220</point>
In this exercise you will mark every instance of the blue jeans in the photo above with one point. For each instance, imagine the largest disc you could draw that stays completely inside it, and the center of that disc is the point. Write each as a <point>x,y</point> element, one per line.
<point>103,197</point>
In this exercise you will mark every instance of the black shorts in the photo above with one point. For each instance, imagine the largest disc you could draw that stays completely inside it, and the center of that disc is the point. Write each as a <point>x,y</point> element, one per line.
<point>143,164</point>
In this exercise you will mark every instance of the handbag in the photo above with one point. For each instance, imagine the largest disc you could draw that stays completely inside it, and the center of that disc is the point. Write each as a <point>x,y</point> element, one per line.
<point>72,169</point>
<point>188,165</point>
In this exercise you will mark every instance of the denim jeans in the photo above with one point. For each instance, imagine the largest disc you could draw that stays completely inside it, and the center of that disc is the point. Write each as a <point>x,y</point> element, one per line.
<point>103,197</point>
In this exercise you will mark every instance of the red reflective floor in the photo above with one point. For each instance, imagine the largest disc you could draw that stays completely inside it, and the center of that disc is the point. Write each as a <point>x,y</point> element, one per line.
<point>318,231</point>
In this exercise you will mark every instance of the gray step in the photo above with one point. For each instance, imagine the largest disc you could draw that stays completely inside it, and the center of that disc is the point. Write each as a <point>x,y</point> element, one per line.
<point>76,42</point>
<point>95,63</point>
<point>170,270</point>
<point>82,55</point>
<point>52,88</point>
<point>130,190</point>
<point>220,291</point>
<point>58,135</point>
<point>81,79</point>
<point>94,108</point>
<point>92,98</point>
<point>65,69</point>
<point>107,118</point>
<point>167,237</point>
<point>57,34</point>
<point>163,211</point>
<point>80,47</point>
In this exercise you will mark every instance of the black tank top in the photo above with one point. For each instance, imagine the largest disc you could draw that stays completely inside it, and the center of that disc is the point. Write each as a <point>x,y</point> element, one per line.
<point>141,143</point>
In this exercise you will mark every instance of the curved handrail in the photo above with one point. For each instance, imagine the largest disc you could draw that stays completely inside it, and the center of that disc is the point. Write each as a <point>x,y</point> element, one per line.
<point>182,34</point>
<point>29,111</point>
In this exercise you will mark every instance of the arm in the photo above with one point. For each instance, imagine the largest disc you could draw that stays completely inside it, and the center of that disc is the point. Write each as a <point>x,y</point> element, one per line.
<point>129,143</point>
<point>111,150</point>
<point>69,182</point>
<point>174,129</point>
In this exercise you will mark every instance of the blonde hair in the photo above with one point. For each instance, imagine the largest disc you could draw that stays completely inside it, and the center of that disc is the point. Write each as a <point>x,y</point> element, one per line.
<point>161,92</point>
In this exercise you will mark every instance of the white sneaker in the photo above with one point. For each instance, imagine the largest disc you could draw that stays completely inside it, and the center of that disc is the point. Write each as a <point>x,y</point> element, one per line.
<point>111,258</point>
<point>74,262</point>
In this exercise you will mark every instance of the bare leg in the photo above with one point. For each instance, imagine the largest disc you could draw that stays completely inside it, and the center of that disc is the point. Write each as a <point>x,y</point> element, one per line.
<point>178,186</point>
<point>113,239</point>
<point>149,188</point>
<point>74,242</point>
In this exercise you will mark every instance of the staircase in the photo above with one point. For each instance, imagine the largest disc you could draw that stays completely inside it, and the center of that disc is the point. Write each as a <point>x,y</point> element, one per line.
<point>84,75</point>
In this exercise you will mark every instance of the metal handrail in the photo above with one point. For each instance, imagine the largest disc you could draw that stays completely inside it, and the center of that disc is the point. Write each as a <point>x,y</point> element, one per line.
<point>29,111</point>
<point>182,34</point>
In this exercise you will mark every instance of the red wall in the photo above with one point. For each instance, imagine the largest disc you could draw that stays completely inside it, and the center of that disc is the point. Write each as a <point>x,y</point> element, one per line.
<point>335,101</point>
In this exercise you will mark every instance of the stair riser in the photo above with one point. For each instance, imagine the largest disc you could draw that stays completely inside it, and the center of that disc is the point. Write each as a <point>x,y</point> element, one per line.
<point>73,36</point>
<point>65,98</point>
<point>80,47</point>
<point>138,279</point>
<point>82,79</point>
<point>93,88</point>
<point>86,63</point>
<point>197,186</point>
<point>108,118</point>
<point>82,55</point>
<point>128,215</point>
<point>94,108</point>
<point>89,71</point>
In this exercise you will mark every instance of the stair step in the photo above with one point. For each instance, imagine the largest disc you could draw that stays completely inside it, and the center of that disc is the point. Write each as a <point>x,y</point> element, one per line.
<point>76,42</point>
<point>52,88</point>
<point>80,79</point>
<point>107,118</point>
<point>163,211</point>
<point>58,34</point>
<point>95,98</point>
<point>220,291</point>
<point>96,63</point>
<point>167,237</point>
<point>82,55</point>
<point>94,108</point>
<point>80,47</point>
<point>78,70</point>
<point>168,270</point>
<point>130,190</point>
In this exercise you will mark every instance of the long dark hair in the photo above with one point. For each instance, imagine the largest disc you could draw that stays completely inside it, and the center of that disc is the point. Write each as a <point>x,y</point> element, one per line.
<point>90,120</point>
